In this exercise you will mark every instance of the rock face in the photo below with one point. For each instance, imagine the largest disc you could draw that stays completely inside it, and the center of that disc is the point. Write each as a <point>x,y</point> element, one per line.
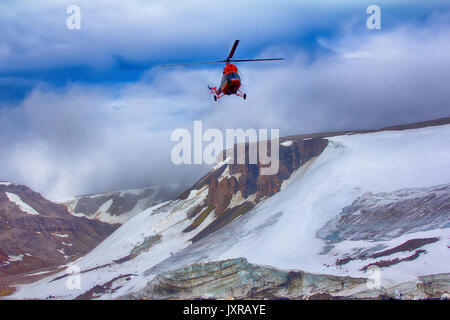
<point>234,189</point>
<point>36,233</point>
<point>387,215</point>
<point>119,206</point>
<point>238,279</point>
<point>385,229</point>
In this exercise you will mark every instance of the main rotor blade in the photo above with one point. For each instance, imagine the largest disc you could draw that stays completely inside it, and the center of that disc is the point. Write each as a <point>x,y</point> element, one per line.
<point>191,63</point>
<point>219,61</point>
<point>248,60</point>
<point>233,49</point>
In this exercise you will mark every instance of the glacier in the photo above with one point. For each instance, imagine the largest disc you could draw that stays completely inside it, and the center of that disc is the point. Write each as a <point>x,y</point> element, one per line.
<point>280,231</point>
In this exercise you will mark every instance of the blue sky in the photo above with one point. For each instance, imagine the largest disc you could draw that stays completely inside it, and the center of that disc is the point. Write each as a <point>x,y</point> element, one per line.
<point>200,35</point>
<point>88,110</point>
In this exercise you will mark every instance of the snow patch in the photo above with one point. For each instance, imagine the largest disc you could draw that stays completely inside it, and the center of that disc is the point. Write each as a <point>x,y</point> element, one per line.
<point>221,163</point>
<point>237,199</point>
<point>15,258</point>
<point>37,273</point>
<point>61,251</point>
<point>20,203</point>
<point>64,235</point>
<point>287,143</point>
<point>227,175</point>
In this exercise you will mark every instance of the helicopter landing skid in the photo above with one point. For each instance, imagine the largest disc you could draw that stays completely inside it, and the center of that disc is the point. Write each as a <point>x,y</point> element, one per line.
<point>218,95</point>
<point>241,94</point>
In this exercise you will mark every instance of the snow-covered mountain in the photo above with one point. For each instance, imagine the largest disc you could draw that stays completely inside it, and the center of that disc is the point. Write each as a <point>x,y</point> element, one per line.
<point>119,206</point>
<point>37,234</point>
<point>341,206</point>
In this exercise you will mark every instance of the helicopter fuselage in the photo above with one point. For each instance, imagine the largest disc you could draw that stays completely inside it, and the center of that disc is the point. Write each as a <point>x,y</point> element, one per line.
<point>231,81</point>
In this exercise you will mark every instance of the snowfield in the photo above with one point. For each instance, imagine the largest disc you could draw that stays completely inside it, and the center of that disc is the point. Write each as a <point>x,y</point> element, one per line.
<point>280,231</point>
<point>20,203</point>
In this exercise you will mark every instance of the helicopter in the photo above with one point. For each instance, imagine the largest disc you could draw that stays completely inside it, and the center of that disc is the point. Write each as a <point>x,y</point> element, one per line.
<point>231,81</point>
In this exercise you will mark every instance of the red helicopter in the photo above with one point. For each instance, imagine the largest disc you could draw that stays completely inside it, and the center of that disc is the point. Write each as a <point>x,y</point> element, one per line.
<point>231,81</point>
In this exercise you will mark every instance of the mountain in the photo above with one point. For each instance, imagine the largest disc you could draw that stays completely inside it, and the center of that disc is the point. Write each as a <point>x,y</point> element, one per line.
<point>37,234</point>
<point>349,214</point>
<point>119,206</point>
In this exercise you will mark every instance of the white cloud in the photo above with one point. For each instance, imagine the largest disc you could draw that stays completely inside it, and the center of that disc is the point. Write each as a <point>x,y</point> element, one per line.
<point>86,138</point>
<point>34,34</point>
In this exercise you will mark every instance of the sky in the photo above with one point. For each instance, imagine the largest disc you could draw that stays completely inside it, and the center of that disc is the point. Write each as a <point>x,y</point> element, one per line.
<point>91,110</point>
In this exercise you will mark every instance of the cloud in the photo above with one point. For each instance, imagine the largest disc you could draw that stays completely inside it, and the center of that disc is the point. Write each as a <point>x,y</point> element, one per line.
<point>367,81</point>
<point>34,34</point>
<point>82,139</point>
<point>85,138</point>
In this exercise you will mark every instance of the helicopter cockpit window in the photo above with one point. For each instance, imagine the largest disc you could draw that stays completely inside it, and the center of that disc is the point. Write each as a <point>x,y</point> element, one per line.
<point>232,75</point>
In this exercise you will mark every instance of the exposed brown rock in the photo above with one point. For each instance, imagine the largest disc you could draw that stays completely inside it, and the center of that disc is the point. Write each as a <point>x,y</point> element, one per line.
<point>220,197</point>
<point>409,245</point>
<point>104,288</point>
<point>252,182</point>
<point>387,263</point>
<point>45,240</point>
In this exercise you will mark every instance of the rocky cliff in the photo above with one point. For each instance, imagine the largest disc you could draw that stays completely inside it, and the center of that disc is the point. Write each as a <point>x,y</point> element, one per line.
<point>233,189</point>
